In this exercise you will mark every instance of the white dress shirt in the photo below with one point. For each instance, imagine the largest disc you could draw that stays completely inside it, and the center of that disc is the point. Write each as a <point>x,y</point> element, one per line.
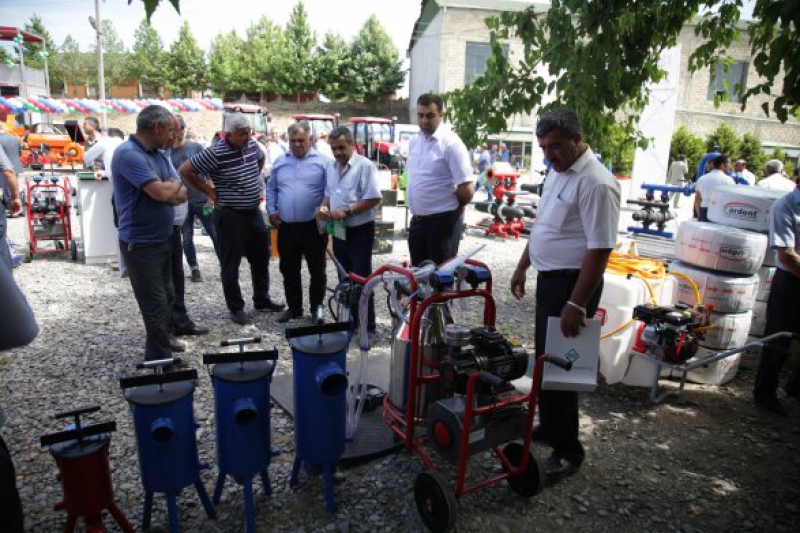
<point>437,165</point>
<point>709,182</point>
<point>579,211</point>
<point>777,182</point>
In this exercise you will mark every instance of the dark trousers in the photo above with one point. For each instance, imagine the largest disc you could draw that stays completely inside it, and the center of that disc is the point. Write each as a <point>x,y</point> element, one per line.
<point>295,242</point>
<point>558,410</point>
<point>355,255</point>
<point>702,216</point>
<point>435,237</point>
<point>150,272</point>
<point>782,315</point>
<point>5,253</point>
<point>179,320</point>
<point>10,505</point>
<point>242,233</point>
<point>187,230</point>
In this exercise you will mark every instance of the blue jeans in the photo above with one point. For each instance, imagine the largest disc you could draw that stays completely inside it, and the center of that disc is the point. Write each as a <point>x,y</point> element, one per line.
<point>187,232</point>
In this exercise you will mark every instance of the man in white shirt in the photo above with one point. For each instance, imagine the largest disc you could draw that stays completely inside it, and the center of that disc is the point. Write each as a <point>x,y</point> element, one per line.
<point>569,246</point>
<point>323,145</point>
<point>741,175</point>
<point>95,144</point>
<point>440,185</point>
<point>774,179</point>
<point>676,176</point>
<point>718,177</point>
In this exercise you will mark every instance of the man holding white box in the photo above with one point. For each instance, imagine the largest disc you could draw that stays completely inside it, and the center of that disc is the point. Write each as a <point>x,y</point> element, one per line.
<point>569,246</point>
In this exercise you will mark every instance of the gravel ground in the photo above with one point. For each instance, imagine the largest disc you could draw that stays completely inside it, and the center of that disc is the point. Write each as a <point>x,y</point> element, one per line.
<point>708,461</point>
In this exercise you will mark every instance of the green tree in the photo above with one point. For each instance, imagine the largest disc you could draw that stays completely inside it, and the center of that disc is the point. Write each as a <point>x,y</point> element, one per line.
<point>617,148</point>
<point>599,57</point>
<point>337,73</point>
<point>752,151</point>
<point>686,143</point>
<point>377,61</point>
<point>148,62</point>
<point>266,62</point>
<point>302,65</point>
<point>34,53</point>
<point>186,64</point>
<point>779,154</point>
<point>725,139</point>
<point>116,58</point>
<point>225,62</point>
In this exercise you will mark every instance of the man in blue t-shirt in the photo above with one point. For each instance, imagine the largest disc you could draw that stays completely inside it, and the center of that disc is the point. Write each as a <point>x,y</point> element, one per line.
<point>145,189</point>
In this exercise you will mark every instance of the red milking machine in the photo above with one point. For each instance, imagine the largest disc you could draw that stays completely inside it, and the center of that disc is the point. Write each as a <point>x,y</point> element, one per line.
<point>48,215</point>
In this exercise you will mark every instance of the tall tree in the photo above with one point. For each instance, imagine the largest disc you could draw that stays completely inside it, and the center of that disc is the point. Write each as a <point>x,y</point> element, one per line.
<point>225,62</point>
<point>116,58</point>
<point>75,65</point>
<point>268,64</point>
<point>686,143</point>
<point>599,57</point>
<point>302,73</point>
<point>753,152</point>
<point>725,139</point>
<point>377,60</point>
<point>337,73</point>
<point>148,62</point>
<point>186,64</point>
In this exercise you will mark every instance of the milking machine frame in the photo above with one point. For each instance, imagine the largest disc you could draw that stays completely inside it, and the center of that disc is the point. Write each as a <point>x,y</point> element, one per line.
<point>523,471</point>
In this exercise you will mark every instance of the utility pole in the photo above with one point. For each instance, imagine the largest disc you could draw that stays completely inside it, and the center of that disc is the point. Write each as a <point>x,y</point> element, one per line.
<point>97,24</point>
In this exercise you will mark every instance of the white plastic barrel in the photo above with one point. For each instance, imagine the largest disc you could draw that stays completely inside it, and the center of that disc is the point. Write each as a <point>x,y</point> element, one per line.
<point>723,248</point>
<point>727,330</point>
<point>765,275</point>
<point>742,207</point>
<point>725,293</point>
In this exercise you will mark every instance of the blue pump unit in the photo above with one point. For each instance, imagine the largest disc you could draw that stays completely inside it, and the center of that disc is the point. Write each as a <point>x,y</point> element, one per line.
<point>656,211</point>
<point>163,419</point>
<point>242,408</point>
<point>319,356</point>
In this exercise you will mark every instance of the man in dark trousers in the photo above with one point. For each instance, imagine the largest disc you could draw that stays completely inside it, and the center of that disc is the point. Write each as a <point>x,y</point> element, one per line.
<point>782,312</point>
<point>295,190</point>
<point>145,190</point>
<point>440,174</point>
<point>569,246</point>
<point>351,196</point>
<point>234,166</point>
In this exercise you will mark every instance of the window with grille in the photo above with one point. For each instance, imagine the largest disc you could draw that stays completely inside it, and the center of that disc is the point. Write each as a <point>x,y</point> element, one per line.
<point>736,75</point>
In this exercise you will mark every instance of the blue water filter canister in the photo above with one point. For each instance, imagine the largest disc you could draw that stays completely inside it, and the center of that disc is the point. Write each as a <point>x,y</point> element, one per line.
<point>320,385</point>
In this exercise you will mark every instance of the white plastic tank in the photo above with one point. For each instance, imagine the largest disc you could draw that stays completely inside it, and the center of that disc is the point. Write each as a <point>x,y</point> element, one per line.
<point>725,293</point>
<point>723,248</point>
<point>620,295</point>
<point>727,330</point>
<point>742,207</point>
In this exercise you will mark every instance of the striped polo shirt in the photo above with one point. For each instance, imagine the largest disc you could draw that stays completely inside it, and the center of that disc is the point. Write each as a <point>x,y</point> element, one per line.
<point>235,173</point>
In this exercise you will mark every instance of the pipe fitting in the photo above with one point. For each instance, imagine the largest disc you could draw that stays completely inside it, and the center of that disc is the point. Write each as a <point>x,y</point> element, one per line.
<point>331,379</point>
<point>245,411</point>
<point>162,429</point>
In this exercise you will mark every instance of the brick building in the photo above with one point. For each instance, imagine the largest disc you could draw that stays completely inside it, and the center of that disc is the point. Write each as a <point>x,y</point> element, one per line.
<point>449,48</point>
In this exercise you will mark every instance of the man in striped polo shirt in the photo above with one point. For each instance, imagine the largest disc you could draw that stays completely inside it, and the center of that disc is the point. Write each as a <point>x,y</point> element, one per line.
<point>234,166</point>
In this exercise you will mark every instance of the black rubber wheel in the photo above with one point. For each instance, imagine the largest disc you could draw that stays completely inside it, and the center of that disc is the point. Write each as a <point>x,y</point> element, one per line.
<point>532,480</point>
<point>73,250</point>
<point>436,503</point>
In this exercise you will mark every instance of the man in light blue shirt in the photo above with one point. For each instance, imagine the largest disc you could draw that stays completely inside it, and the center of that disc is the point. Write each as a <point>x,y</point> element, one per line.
<point>351,196</point>
<point>294,193</point>
<point>782,315</point>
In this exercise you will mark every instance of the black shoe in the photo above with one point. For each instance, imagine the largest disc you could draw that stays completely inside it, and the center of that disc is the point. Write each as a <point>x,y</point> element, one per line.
<point>176,345</point>
<point>792,386</point>
<point>772,405</point>
<point>538,434</point>
<point>194,330</point>
<point>557,468</point>
<point>289,315</point>
<point>240,317</point>
<point>197,277</point>
<point>271,306</point>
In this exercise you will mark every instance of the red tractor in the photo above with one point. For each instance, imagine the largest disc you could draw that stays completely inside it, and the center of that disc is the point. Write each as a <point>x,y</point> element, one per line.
<point>319,123</point>
<point>374,139</point>
<point>258,116</point>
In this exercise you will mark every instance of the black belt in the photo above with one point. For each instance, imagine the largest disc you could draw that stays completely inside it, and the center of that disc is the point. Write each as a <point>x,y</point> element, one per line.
<point>438,215</point>
<point>566,273</point>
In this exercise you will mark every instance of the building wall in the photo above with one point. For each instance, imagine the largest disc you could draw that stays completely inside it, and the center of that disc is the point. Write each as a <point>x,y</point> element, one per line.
<point>425,57</point>
<point>701,117</point>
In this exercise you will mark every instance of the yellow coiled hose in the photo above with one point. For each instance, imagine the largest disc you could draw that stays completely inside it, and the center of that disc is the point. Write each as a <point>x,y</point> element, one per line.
<point>646,270</point>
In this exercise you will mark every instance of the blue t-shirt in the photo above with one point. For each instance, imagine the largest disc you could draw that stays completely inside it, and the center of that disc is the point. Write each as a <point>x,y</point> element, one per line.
<point>179,155</point>
<point>141,219</point>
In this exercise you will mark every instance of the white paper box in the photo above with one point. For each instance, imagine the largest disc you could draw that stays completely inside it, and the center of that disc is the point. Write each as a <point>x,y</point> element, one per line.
<point>582,351</point>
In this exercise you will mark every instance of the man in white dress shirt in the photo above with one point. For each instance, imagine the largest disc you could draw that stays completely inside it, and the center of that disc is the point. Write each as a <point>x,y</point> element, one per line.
<point>718,177</point>
<point>774,179</point>
<point>440,185</point>
<point>569,246</point>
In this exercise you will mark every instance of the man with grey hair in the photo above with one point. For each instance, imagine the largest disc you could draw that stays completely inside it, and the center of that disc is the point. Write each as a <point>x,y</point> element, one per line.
<point>774,179</point>
<point>294,192</point>
<point>234,167</point>
<point>569,246</point>
<point>145,190</point>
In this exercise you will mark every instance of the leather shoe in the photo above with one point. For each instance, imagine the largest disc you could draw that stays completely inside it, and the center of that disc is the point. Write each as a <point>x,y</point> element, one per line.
<point>557,468</point>
<point>289,315</point>
<point>176,345</point>
<point>197,277</point>
<point>240,317</point>
<point>271,306</point>
<point>194,330</point>
<point>538,434</point>
<point>772,405</point>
